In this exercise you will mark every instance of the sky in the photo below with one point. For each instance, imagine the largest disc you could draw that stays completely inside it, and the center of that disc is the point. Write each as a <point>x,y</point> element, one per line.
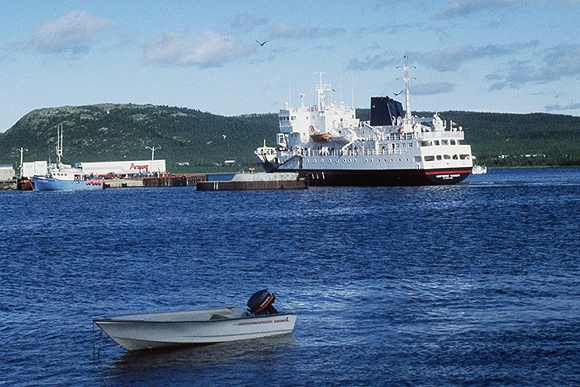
<point>515,56</point>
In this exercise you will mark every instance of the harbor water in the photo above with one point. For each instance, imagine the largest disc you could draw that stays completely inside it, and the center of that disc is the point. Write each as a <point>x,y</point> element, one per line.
<point>477,283</point>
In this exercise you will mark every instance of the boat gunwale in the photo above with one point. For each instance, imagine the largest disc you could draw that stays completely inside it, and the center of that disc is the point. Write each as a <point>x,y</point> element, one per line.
<point>113,320</point>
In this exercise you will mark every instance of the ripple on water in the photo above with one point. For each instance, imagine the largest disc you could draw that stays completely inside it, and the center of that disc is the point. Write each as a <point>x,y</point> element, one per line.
<point>470,284</point>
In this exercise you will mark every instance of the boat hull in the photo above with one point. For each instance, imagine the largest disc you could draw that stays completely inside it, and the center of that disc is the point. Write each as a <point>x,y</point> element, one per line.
<point>42,183</point>
<point>140,335</point>
<point>377,178</point>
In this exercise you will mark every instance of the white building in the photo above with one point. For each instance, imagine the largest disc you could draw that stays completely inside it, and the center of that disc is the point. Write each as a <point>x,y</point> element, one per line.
<point>6,172</point>
<point>138,167</point>
<point>34,168</point>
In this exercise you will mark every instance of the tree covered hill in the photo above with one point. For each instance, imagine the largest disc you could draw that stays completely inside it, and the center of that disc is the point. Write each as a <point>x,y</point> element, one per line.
<point>507,139</point>
<point>122,131</point>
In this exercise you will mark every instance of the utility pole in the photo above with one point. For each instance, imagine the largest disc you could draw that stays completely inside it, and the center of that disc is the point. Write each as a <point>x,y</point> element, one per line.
<point>153,148</point>
<point>22,150</point>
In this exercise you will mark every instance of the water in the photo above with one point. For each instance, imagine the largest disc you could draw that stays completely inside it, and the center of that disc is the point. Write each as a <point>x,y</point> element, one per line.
<point>471,284</point>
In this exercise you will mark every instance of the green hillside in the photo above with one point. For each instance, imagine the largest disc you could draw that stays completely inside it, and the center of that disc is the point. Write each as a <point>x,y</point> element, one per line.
<point>117,132</point>
<point>505,139</point>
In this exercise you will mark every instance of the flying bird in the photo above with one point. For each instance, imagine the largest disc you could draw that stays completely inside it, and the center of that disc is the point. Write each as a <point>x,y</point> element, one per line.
<point>262,44</point>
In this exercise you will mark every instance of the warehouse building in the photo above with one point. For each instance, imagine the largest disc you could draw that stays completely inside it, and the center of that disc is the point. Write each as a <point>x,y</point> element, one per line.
<point>6,173</point>
<point>124,168</point>
<point>34,168</point>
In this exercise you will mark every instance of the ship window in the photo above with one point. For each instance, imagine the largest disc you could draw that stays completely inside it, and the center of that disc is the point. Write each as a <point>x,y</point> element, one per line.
<point>444,142</point>
<point>429,158</point>
<point>426,143</point>
<point>436,142</point>
<point>438,157</point>
<point>464,157</point>
<point>452,142</point>
<point>455,157</point>
<point>446,157</point>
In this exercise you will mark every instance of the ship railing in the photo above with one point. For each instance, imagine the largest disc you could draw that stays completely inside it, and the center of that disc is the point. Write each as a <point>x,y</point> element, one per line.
<point>383,150</point>
<point>459,135</point>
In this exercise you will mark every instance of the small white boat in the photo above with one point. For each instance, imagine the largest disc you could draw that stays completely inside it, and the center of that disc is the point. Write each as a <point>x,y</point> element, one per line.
<point>156,330</point>
<point>479,170</point>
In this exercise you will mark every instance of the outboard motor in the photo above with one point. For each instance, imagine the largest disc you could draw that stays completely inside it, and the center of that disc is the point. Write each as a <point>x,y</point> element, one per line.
<point>262,303</point>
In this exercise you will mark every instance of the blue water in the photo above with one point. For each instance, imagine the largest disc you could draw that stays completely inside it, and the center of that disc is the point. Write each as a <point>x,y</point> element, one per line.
<point>471,284</point>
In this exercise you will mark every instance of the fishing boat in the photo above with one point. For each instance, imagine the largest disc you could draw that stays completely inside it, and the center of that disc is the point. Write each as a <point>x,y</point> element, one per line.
<point>62,177</point>
<point>206,326</point>
<point>65,178</point>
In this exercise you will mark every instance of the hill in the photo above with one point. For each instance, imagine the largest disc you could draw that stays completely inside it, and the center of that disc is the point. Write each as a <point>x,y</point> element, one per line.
<point>506,139</point>
<point>117,132</point>
<point>122,131</point>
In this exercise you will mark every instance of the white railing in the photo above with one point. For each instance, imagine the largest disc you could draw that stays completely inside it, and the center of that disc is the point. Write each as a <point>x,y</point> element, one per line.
<point>347,152</point>
<point>440,135</point>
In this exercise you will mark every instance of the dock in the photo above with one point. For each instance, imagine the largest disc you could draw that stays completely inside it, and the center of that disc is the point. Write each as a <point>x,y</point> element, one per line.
<point>255,182</point>
<point>181,180</point>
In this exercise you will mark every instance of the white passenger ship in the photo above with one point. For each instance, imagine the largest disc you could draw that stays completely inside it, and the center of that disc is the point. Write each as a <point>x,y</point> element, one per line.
<point>328,145</point>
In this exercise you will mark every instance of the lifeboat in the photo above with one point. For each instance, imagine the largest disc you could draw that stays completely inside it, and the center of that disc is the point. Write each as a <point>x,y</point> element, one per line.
<point>318,136</point>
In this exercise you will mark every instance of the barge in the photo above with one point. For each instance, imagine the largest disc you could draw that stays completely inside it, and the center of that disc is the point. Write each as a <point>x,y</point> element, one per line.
<point>255,181</point>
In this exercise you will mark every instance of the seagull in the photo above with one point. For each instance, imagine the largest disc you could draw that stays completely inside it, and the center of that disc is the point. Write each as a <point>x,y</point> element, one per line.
<point>262,44</point>
<point>396,94</point>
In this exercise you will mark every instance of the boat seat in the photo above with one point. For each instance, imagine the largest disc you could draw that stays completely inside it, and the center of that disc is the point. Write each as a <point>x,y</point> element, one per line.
<point>217,316</point>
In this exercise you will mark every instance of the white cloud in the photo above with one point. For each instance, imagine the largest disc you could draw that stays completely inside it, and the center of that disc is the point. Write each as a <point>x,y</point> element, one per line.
<point>244,22</point>
<point>74,32</point>
<point>432,88</point>
<point>461,8</point>
<point>373,62</point>
<point>443,60</point>
<point>211,49</point>
<point>282,31</point>
<point>558,62</point>
<point>452,58</point>
<point>558,107</point>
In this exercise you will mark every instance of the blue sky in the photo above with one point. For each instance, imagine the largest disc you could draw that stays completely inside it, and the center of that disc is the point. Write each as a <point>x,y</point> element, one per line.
<point>481,55</point>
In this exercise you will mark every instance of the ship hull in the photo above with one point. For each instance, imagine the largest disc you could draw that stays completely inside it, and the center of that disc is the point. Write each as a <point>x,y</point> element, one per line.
<point>42,183</point>
<point>377,178</point>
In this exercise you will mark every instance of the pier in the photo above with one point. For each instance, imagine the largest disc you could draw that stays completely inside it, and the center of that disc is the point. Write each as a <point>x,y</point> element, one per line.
<point>255,182</point>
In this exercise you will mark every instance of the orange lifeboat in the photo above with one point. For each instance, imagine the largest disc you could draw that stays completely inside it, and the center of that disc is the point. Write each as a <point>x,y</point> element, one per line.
<point>319,137</point>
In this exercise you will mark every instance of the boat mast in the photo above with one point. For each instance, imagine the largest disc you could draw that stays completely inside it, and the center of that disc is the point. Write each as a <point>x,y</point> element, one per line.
<point>22,150</point>
<point>59,141</point>
<point>407,79</point>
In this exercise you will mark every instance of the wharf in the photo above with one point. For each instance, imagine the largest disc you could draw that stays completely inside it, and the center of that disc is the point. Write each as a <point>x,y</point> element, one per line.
<point>6,185</point>
<point>182,180</point>
<point>255,181</point>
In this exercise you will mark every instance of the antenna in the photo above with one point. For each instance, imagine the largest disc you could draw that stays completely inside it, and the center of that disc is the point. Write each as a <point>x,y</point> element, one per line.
<point>153,148</point>
<point>320,92</point>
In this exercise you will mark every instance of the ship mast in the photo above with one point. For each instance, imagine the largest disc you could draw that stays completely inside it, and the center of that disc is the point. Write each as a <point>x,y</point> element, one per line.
<point>320,93</point>
<point>59,141</point>
<point>407,79</point>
